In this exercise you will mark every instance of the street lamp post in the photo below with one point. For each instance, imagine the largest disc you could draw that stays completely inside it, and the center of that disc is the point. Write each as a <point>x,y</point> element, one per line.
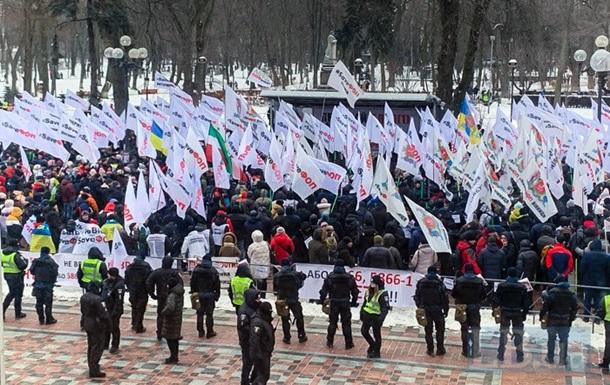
<point>203,61</point>
<point>512,63</point>
<point>492,38</point>
<point>127,60</point>
<point>600,63</point>
<point>579,56</point>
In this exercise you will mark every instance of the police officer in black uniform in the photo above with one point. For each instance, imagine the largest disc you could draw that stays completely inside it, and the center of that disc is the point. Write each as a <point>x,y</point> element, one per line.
<point>135,279</point>
<point>205,280</point>
<point>45,271</point>
<point>96,322</point>
<point>469,290</point>
<point>244,316</point>
<point>13,266</point>
<point>560,305</point>
<point>262,341</point>
<point>513,300</point>
<point>287,283</point>
<point>340,286</point>
<point>113,293</point>
<point>157,288</point>
<point>430,295</point>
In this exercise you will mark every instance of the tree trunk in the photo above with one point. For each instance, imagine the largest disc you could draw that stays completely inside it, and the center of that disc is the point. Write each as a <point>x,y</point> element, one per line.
<point>449,18</point>
<point>28,38</point>
<point>562,64</point>
<point>93,98</point>
<point>383,77</point>
<point>14,63</point>
<point>468,69</point>
<point>43,57</point>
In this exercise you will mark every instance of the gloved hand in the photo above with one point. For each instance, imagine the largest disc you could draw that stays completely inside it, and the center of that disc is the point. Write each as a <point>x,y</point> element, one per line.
<point>354,304</point>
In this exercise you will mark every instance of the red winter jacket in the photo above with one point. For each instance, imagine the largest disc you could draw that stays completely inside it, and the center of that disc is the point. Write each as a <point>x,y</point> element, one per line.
<point>282,247</point>
<point>467,255</point>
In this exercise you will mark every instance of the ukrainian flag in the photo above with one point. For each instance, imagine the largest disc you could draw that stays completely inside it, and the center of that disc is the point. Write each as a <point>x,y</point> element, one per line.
<point>156,138</point>
<point>41,237</point>
<point>467,124</point>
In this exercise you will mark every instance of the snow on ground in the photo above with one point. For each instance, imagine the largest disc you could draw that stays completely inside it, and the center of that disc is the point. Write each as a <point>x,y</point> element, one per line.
<point>399,317</point>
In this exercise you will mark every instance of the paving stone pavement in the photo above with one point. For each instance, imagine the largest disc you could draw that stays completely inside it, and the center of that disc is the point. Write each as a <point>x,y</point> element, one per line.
<point>55,355</point>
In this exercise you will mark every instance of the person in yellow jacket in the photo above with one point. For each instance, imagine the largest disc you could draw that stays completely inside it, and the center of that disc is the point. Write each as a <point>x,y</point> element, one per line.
<point>239,284</point>
<point>374,309</point>
<point>92,269</point>
<point>604,314</point>
<point>109,226</point>
<point>13,266</point>
<point>515,213</point>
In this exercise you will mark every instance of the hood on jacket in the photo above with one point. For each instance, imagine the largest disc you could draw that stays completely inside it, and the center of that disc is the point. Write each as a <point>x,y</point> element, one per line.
<point>95,253</point>
<point>257,236</point>
<point>317,235</point>
<point>167,262</point>
<point>243,269</point>
<point>388,240</point>
<point>525,244</point>
<point>250,297</point>
<point>229,238</point>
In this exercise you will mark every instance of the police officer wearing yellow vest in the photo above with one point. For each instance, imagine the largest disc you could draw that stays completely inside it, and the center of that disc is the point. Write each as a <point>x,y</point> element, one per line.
<point>604,313</point>
<point>372,314</point>
<point>239,284</point>
<point>13,265</point>
<point>92,269</point>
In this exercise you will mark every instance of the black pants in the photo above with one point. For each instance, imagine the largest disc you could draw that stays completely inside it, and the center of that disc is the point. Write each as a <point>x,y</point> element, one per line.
<point>517,324</point>
<point>470,331</point>
<point>607,344</point>
<point>138,308</point>
<point>207,310</point>
<point>561,332</point>
<point>247,374</point>
<point>173,345</point>
<point>95,348</point>
<point>113,336</point>
<point>262,370</point>
<point>160,306</point>
<point>370,321</point>
<point>261,285</point>
<point>44,304</point>
<point>342,309</point>
<point>15,292</point>
<point>436,321</point>
<point>297,312</point>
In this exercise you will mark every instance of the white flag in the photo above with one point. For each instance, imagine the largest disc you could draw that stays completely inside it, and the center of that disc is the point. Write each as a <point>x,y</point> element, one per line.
<point>221,176</point>
<point>142,200</point>
<point>273,171</point>
<point>118,252</point>
<point>342,80</point>
<point>28,229</point>
<point>130,213</point>
<point>25,164</point>
<point>536,193</point>
<point>162,82</point>
<point>247,151</point>
<point>432,227</point>
<point>409,150</point>
<point>197,203</point>
<point>194,156</point>
<point>334,175</point>
<point>155,193</point>
<point>258,77</point>
<point>76,101</point>
<point>180,197</point>
<point>364,170</point>
<point>385,188</point>
<point>307,178</point>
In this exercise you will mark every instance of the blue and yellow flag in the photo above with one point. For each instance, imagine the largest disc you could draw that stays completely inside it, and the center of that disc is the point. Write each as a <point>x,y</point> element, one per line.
<point>156,138</point>
<point>41,237</point>
<point>467,123</point>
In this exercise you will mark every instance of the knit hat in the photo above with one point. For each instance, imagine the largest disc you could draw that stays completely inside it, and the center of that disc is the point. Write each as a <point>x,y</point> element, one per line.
<point>280,230</point>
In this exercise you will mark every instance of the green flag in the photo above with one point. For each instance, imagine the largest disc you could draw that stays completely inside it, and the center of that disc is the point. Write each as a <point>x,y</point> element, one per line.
<point>215,135</point>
